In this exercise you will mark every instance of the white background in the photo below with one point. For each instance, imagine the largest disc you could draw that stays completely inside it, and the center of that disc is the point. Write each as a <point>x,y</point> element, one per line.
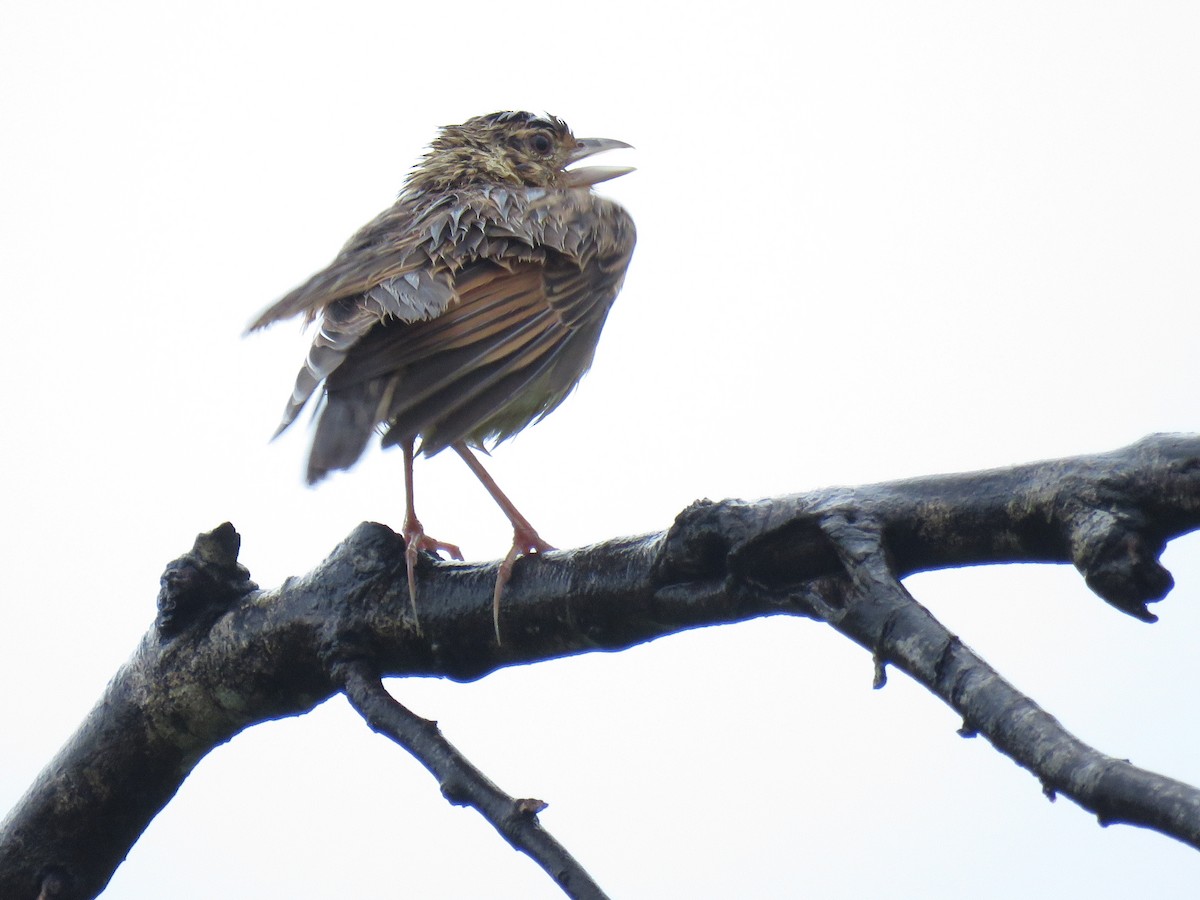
<point>877,240</point>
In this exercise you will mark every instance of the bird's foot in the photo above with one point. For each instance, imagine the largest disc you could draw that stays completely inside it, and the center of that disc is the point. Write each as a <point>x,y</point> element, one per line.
<point>416,542</point>
<point>525,542</point>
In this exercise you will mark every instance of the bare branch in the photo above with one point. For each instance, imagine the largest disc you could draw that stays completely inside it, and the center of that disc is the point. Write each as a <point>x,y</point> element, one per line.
<point>225,655</point>
<point>463,784</point>
<point>882,615</point>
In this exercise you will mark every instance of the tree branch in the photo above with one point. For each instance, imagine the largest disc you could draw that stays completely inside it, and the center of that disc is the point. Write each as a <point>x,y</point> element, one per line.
<point>463,784</point>
<point>224,655</point>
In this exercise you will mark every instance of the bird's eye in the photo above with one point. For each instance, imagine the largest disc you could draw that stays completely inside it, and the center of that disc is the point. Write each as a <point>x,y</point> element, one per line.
<point>541,144</point>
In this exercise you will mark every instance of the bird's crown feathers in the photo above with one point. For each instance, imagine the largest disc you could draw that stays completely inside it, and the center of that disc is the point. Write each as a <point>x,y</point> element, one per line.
<point>512,148</point>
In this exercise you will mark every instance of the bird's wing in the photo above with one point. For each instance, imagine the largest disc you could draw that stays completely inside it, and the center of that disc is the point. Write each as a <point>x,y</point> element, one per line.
<point>515,343</point>
<point>542,278</point>
<point>401,265</point>
<point>440,378</point>
<point>385,269</point>
<point>439,328</point>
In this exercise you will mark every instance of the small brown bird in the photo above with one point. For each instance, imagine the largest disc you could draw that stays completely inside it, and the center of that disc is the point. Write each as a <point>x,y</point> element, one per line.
<point>466,311</point>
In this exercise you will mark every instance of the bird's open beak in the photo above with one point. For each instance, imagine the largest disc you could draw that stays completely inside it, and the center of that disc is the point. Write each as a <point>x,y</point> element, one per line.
<point>590,175</point>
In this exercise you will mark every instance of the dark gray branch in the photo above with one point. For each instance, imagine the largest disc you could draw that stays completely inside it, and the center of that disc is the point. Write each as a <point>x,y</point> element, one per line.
<point>225,655</point>
<point>882,615</point>
<point>462,783</point>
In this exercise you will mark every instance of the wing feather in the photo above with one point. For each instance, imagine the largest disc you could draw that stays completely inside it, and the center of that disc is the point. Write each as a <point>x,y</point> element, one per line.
<point>467,318</point>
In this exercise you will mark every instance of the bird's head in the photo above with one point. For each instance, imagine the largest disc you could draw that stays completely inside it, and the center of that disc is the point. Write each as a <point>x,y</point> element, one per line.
<point>511,148</point>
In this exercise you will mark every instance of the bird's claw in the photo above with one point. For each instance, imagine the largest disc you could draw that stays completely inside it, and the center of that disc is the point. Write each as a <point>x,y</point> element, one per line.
<point>416,542</point>
<point>525,542</point>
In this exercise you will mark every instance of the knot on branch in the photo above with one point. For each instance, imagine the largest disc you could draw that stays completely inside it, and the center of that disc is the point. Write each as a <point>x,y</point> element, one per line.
<point>196,588</point>
<point>697,545</point>
<point>777,544</point>
<point>1118,558</point>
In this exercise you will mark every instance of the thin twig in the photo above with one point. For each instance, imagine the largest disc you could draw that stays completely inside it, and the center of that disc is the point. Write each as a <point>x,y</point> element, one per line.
<point>463,784</point>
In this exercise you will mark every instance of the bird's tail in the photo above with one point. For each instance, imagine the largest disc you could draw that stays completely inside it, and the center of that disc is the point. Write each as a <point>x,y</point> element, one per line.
<point>335,336</point>
<point>345,422</point>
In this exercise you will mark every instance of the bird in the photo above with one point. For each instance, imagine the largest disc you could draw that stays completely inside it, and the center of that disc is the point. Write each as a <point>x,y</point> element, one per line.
<point>465,312</point>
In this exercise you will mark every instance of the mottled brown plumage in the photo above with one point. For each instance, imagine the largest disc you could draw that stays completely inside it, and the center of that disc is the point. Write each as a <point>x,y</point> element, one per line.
<point>468,310</point>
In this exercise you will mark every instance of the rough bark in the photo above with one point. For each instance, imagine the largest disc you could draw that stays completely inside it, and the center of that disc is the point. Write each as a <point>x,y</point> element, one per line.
<point>225,655</point>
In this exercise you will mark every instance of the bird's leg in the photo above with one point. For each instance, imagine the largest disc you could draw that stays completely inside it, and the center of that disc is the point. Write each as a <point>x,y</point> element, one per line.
<point>525,538</point>
<point>415,538</point>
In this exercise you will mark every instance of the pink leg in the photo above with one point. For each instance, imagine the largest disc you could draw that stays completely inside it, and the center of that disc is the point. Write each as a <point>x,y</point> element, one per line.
<point>415,538</point>
<point>525,538</point>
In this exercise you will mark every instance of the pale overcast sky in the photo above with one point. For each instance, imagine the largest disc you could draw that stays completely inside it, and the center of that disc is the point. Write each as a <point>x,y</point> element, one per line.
<point>877,240</point>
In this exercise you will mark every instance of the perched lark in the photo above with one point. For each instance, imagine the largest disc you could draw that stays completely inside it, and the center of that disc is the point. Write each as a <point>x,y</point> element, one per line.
<point>465,312</point>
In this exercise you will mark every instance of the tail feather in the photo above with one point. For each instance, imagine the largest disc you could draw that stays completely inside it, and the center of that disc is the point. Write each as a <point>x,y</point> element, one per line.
<point>344,424</point>
<point>333,340</point>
